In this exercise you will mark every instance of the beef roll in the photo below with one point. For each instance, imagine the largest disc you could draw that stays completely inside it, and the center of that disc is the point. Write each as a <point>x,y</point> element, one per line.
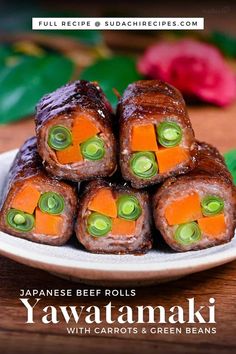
<point>113,218</point>
<point>156,136</point>
<point>197,210</point>
<point>74,132</point>
<point>35,206</point>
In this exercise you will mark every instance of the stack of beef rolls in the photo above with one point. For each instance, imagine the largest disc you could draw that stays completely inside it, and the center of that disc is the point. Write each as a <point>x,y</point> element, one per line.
<point>141,173</point>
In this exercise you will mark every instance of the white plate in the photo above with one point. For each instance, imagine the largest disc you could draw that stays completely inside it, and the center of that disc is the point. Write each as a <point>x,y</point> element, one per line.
<point>72,262</point>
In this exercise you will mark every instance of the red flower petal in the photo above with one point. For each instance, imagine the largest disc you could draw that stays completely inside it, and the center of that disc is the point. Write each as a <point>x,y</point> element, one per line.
<point>197,69</point>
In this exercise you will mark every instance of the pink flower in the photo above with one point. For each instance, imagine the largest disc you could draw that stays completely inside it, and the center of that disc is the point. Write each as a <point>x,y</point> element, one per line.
<point>196,69</point>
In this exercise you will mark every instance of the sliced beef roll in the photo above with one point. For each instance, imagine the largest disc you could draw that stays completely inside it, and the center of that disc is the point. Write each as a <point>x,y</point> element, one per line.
<point>35,206</point>
<point>156,136</point>
<point>197,210</point>
<point>114,219</point>
<point>74,132</point>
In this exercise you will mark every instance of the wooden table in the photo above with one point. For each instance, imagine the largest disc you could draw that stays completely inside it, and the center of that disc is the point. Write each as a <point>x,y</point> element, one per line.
<point>214,125</point>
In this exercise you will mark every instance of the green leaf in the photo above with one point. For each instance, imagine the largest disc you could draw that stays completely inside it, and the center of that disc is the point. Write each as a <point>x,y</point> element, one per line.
<point>4,53</point>
<point>230,159</point>
<point>225,42</point>
<point>112,73</point>
<point>24,80</point>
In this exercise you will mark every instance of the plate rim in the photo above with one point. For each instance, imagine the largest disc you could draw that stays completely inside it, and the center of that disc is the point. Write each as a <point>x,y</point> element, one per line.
<point>113,274</point>
<point>206,260</point>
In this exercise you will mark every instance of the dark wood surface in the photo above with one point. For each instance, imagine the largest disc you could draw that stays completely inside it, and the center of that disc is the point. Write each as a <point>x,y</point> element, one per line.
<point>211,124</point>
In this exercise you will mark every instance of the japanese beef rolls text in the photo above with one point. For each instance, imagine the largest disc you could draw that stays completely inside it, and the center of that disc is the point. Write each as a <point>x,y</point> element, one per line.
<point>35,206</point>
<point>113,218</point>
<point>156,136</point>
<point>197,210</point>
<point>74,132</point>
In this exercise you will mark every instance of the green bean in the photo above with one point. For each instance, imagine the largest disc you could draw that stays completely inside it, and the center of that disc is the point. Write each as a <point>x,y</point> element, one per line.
<point>128,207</point>
<point>143,164</point>
<point>20,221</point>
<point>98,225</point>
<point>212,205</point>
<point>169,134</point>
<point>188,233</point>
<point>51,203</point>
<point>59,138</point>
<point>93,149</point>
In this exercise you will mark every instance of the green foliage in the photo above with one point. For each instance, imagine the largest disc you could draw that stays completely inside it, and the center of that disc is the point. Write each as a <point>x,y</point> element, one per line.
<point>112,73</point>
<point>225,42</point>
<point>25,79</point>
<point>230,159</point>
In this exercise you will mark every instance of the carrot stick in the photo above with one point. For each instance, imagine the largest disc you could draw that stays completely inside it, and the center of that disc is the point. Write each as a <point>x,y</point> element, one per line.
<point>212,225</point>
<point>104,203</point>
<point>69,155</point>
<point>47,224</point>
<point>184,210</point>
<point>27,199</point>
<point>168,158</point>
<point>123,227</point>
<point>144,138</point>
<point>83,129</point>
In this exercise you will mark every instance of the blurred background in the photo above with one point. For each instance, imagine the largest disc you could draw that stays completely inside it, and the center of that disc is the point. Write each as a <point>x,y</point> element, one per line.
<point>202,64</point>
